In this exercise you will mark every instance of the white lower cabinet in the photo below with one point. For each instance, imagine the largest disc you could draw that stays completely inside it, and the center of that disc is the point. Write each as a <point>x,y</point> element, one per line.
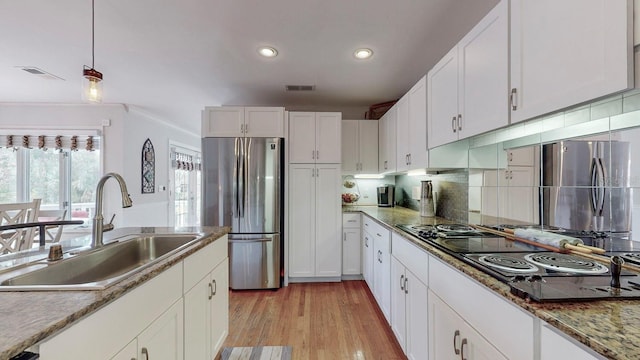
<point>504,325</point>
<point>409,316</point>
<point>156,320</point>
<point>556,346</point>
<point>409,319</point>
<point>450,337</point>
<point>351,248</point>
<point>378,239</point>
<point>367,258</point>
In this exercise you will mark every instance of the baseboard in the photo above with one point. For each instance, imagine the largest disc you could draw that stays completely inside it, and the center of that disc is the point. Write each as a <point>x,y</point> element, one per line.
<point>352,277</point>
<point>314,279</point>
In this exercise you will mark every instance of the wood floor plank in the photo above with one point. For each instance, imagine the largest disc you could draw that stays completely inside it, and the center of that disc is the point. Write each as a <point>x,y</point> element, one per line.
<point>320,321</point>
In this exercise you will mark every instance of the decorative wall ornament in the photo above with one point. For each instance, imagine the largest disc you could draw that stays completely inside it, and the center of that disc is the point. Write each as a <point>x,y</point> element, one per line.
<point>25,142</point>
<point>89,145</point>
<point>148,168</point>
<point>74,143</point>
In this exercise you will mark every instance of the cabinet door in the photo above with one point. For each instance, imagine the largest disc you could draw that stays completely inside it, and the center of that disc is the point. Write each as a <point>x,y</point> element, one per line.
<point>328,134</point>
<point>382,142</point>
<point>197,319</point>
<point>368,146</point>
<point>483,63</point>
<point>328,217</point>
<point>442,108</point>
<point>302,220</point>
<point>350,159</point>
<point>382,272</point>
<point>445,330</point>
<point>476,347</point>
<point>402,134</point>
<point>398,306</point>
<point>367,259</point>
<point>264,121</point>
<point>567,52</point>
<point>224,121</point>
<point>416,317</point>
<point>351,250</point>
<point>391,140</point>
<point>219,307</point>
<point>164,339</point>
<point>129,352</point>
<point>302,137</point>
<point>418,125</point>
<point>524,156</point>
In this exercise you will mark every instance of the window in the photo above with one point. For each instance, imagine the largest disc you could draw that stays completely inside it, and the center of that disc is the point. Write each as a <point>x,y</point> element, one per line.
<point>63,178</point>
<point>185,181</point>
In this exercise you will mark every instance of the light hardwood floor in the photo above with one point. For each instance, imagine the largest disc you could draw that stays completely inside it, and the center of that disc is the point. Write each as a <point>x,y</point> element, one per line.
<point>321,321</point>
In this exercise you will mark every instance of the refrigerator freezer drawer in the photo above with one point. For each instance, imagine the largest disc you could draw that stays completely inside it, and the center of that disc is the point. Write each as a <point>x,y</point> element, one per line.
<point>254,261</point>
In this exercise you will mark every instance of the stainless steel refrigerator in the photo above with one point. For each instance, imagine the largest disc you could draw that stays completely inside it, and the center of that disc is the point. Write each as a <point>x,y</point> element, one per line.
<point>586,185</point>
<point>242,188</point>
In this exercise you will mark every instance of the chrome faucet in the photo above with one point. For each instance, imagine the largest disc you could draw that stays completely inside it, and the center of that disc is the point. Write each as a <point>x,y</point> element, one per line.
<point>98,226</point>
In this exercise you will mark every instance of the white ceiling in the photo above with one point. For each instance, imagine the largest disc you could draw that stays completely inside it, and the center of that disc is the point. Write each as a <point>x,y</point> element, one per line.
<point>172,58</point>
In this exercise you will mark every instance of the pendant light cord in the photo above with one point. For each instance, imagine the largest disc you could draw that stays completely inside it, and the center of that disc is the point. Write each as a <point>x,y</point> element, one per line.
<point>93,36</point>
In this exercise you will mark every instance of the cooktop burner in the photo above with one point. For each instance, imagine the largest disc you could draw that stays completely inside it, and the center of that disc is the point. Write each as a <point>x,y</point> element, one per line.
<point>507,263</point>
<point>566,263</point>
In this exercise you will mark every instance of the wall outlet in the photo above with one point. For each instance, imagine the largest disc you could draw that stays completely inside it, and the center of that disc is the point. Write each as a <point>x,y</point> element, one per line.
<point>106,122</point>
<point>415,192</point>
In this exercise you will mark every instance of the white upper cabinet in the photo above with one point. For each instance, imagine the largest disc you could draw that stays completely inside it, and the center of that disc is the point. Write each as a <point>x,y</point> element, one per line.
<point>411,128</point>
<point>467,88</point>
<point>360,146</point>
<point>568,52</point>
<point>387,141</point>
<point>315,137</point>
<point>240,121</point>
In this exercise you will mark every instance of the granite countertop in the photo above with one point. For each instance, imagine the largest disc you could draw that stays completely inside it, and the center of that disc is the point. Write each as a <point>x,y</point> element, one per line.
<point>29,317</point>
<point>609,327</point>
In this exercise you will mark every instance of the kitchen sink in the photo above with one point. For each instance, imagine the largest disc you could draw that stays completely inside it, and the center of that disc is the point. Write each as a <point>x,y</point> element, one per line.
<point>95,269</point>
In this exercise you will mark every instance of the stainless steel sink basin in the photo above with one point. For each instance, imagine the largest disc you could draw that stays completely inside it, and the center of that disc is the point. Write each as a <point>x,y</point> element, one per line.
<point>96,269</point>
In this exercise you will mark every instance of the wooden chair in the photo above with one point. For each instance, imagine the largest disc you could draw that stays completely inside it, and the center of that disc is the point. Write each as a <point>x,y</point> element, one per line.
<point>51,215</point>
<point>20,239</point>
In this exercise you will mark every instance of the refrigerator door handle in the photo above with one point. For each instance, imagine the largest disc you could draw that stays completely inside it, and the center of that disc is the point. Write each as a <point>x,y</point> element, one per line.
<point>251,241</point>
<point>236,177</point>
<point>245,182</point>
<point>601,187</point>
<point>594,184</point>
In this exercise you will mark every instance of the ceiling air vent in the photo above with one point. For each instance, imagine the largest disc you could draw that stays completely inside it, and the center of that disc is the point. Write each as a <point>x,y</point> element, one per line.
<point>300,87</point>
<point>39,72</point>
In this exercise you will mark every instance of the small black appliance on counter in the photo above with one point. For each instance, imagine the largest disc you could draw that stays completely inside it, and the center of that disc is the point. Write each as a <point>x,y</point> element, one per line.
<point>386,195</point>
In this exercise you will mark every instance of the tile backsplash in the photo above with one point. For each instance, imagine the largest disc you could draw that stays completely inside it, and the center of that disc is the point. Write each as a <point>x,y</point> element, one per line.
<point>365,188</point>
<point>450,192</point>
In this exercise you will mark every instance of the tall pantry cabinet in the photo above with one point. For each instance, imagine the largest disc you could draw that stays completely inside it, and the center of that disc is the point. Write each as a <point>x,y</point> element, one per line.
<point>315,219</point>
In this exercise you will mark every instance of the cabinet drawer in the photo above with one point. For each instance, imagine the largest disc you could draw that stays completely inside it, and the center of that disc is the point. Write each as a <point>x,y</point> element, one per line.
<point>412,257</point>
<point>504,325</point>
<point>202,262</point>
<point>374,229</point>
<point>351,220</point>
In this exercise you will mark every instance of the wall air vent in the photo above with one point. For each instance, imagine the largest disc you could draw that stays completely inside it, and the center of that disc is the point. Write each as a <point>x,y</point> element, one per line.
<point>39,72</point>
<point>300,87</point>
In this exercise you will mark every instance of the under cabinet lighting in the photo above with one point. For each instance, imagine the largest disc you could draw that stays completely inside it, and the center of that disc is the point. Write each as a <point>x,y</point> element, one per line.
<point>368,176</point>
<point>419,172</point>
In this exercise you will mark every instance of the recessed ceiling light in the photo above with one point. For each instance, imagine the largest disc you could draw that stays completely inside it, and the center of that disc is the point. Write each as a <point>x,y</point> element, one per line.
<point>268,51</point>
<point>363,53</point>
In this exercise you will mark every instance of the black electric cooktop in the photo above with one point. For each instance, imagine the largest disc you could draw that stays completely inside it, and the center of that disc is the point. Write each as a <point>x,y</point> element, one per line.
<point>535,273</point>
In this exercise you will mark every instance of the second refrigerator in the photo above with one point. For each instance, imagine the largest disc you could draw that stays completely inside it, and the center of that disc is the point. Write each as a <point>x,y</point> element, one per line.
<point>243,189</point>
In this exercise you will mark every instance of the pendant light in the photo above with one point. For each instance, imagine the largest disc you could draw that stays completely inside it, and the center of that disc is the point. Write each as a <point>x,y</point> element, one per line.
<point>92,85</point>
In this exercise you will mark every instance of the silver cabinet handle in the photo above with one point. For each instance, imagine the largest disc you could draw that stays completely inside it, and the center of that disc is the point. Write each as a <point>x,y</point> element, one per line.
<point>313,154</point>
<point>453,124</point>
<point>385,164</point>
<point>344,237</point>
<point>215,288</point>
<point>514,99</point>
<point>402,282</point>
<point>459,122</point>
<point>406,285</point>
<point>210,291</point>
<point>380,256</point>
<point>145,352</point>
<point>456,335</point>
<point>379,234</point>
<point>318,154</point>
<point>366,241</point>
<point>246,128</point>
<point>464,342</point>
<point>410,160</point>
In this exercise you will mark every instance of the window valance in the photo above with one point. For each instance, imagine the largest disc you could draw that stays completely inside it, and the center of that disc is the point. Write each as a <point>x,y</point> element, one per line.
<point>183,161</point>
<point>87,142</point>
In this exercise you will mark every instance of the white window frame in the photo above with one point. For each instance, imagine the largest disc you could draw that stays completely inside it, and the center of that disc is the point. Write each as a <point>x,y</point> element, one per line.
<point>171,204</point>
